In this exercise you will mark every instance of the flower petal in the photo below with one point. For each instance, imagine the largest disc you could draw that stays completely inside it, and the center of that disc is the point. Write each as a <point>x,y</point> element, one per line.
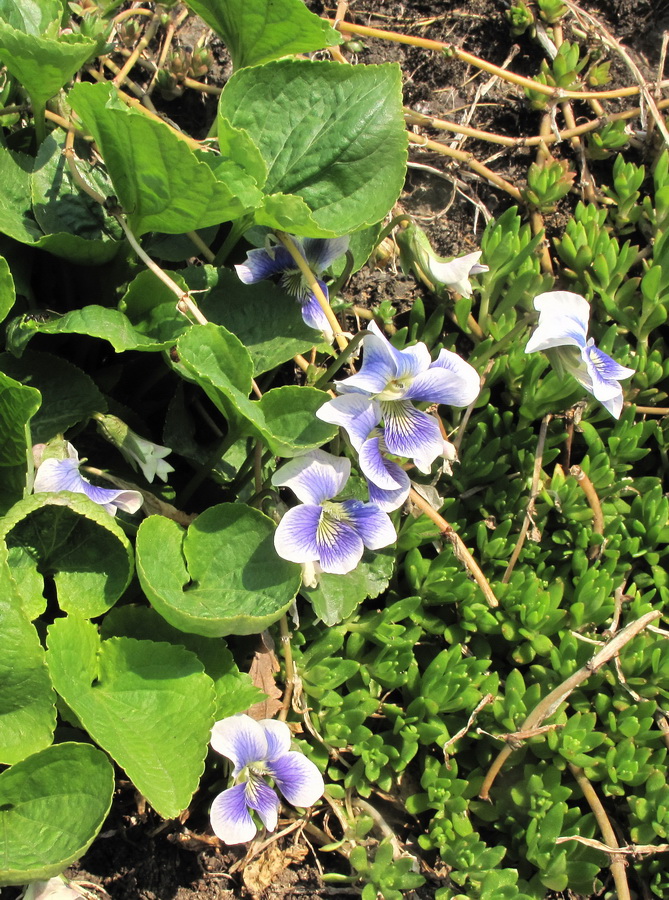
<point>314,316</point>
<point>63,475</point>
<point>261,798</point>
<point>295,535</point>
<point>241,739</point>
<point>379,365</point>
<point>605,373</point>
<point>563,321</point>
<point>410,432</point>
<point>358,414</point>
<point>278,737</point>
<point>377,469</point>
<point>263,263</point>
<point>449,380</point>
<point>454,274</point>
<point>389,500</point>
<point>340,547</point>
<point>315,476</point>
<point>298,779</point>
<point>320,253</point>
<point>230,818</point>
<point>372,524</point>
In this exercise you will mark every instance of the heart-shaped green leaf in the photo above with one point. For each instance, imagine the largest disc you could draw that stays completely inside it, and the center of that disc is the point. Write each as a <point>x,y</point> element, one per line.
<point>18,404</point>
<point>148,704</point>
<point>221,577</point>
<point>52,805</point>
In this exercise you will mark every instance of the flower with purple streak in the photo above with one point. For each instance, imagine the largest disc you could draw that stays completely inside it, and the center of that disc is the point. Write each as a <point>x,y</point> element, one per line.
<point>63,475</point>
<point>334,534</point>
<point>319,253</point>
<point>384,391</point>
<point>563,330</point>
<point>259,750</point>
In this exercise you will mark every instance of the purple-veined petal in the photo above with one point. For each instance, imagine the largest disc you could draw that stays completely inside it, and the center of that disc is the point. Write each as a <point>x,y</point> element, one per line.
<point>241,739</point>
<point>377,469</point>
<point>563,321</point>
<point>340,547</point>
<point>372,524</point>
<point>322,252</point>
<point>230,818</point>
<point>278,737</point>
<point>410,432</point>
<point>295,535</point>
<point>605,374</point>
<point>315,476</point>
<point>449,380</point>
<point>64,475</point>
<point>314,316</point>
<point>263,263</point>
<point>379,365</point>
<point>261,798</point>
<point>358,414</point>
<point>455,273</point>
<point>298,779</point>
<point>389,500</point>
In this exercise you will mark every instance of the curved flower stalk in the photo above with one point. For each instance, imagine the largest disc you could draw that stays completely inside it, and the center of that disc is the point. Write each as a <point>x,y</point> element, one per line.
<point>141,454</point>
<point>384,391</point>
<point>319,253</point>
<point>333,534</point>
<point>259,750</point>
<point>563,328</point>
<point>63,475</point>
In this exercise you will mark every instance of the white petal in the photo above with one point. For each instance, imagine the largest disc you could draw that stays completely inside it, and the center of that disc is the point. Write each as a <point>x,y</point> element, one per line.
<point>315,476</point>
<point>241,739</point>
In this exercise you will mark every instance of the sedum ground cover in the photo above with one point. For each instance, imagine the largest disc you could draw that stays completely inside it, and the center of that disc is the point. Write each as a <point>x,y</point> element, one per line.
<point>434,546</point>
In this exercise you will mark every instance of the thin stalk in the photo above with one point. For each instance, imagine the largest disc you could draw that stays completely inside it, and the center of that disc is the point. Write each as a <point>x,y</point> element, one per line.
<point>233,237</point>
<point>290,668</point>
<point>201,246</point>
<point>343,357</point>
<point>146,39</point>
<point>203,472</point>
<point>39,110</point>
<point>30,461</point>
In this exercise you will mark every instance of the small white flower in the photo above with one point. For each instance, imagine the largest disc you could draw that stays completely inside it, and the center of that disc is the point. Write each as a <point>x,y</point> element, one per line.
<point>140,453</point>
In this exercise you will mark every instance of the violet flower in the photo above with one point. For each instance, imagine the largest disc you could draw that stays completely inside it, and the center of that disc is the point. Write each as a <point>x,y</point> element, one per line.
<point>384,390</point>
<point>563,328</point>
<point>63,475</point>
<point>319,253</point>
<point>139,452</point>
<point>258,750</point>
<point>334,534</point>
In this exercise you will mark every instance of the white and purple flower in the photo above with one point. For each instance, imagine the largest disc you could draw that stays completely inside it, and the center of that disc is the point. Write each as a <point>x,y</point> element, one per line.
<point>56,474</point>
<point>454,274</point>
<point>259,750</point>
<point>563,328</point>
<point>384,391</point>
<point>139,452</point>
<point>334,534</point>
<point>319,253</point>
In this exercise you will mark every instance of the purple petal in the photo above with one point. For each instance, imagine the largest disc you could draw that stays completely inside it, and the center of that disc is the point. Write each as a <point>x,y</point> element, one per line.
<point>372,524</point>
<point>230,818</point>
<point>377,469</point>
<point>295,536</point>
<point>263,263</point>
<point>379,365</point>
<point>410,432</point>
<point>63,475</point>
<point>261,798</point>
<point>605,373</point>
<point>322,252</point>
<point>389,500</point>
<point>298,779</point>
<point>315,476</point>
<point>358,414</point>
<point>340,547</point>
<point>314,315</point>
<point>563,321</point>
<point>278,737</point>
<point>241,739</point>
<point>449,380</point>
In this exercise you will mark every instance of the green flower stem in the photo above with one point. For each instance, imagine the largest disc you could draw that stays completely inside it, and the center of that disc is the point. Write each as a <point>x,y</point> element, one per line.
<point>558,695</point>
<point>203,472</point>
<point>617,864</point>
<point>40,122</point>
<point>291,674</point>
<point>233,237</point>
<point>314,286</point>
<point>30,462</point>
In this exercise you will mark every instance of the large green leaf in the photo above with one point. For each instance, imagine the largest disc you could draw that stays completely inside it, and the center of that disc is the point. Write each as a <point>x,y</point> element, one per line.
<point>18,404</point>
<point>42,64</point>
<point>68,395</point>
<point>338,596</point>
<point>160,183</point>
<point>332,135</point>
<point>52,805</point>
<point>235,691</point>
<point>285,417</point>
<point>32,16</point>
<point>73,541</point>
<point>7,292</point>
<point>149,705</point>
<point>265,29</point>
<point>27,707</point>
<point>221,577</point>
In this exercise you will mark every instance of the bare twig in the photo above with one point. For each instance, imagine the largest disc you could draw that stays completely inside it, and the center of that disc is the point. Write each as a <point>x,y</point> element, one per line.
<point>588,489</point>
